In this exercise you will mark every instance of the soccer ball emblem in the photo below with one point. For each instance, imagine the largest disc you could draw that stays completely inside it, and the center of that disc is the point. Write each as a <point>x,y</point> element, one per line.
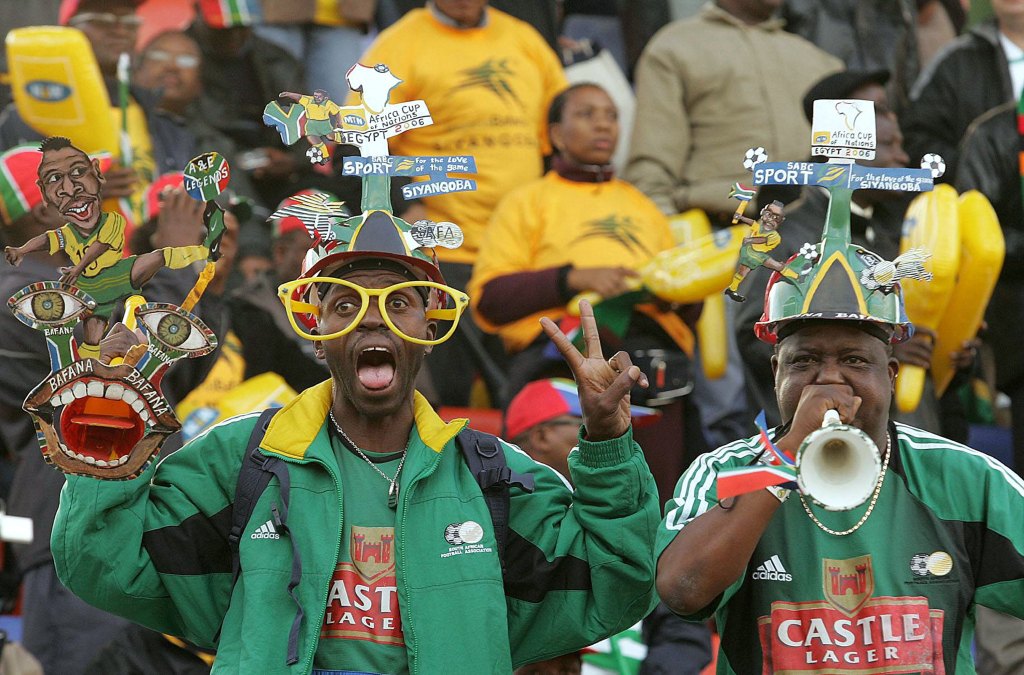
<point>754,156</point>
<point>316,155</point>
<point>934,163</point>
<point>919,564</point>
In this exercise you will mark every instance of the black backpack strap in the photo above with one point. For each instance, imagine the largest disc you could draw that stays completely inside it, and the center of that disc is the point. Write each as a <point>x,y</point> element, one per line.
<point>487,463</point>
<point>279,468</point>
<point>253,478</point>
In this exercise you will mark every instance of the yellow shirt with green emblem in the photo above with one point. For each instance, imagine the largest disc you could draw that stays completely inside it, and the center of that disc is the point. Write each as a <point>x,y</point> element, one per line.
<point>318,111</point>
<point>488,90</point>
<point>553,221</point>
<point>109,230</point>
<point>771,238</point>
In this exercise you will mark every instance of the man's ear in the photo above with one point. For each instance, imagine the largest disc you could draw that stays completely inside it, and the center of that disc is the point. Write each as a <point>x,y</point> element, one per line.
<point>539,436</point>
<point>99,174</point>
<point>431,334</point>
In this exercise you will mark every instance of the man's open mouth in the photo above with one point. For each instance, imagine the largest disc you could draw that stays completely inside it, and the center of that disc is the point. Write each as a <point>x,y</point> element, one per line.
<point>80,209</point>
<point>375,368</point>
<point>111,419</point>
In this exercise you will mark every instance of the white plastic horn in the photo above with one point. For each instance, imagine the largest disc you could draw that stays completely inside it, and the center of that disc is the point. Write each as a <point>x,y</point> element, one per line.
<point>837,465</point>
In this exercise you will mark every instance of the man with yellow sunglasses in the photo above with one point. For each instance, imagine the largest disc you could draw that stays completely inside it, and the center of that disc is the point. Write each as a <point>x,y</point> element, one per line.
<point>374,549</point>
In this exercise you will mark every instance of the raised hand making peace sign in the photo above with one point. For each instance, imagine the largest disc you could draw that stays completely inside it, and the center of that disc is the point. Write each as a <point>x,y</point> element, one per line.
<point>603,384</point>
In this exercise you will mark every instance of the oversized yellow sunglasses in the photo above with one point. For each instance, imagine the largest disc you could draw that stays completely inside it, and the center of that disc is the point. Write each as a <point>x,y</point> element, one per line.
<point>401,297</point>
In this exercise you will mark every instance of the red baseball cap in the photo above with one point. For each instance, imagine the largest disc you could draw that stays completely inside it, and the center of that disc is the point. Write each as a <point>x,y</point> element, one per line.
<point>544,400</point>
<point>68,8</point>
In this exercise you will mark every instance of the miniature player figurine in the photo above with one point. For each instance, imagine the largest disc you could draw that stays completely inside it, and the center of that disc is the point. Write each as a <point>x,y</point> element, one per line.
<point>321,113</point>
<point>94,240</point>
<point>761,240</point>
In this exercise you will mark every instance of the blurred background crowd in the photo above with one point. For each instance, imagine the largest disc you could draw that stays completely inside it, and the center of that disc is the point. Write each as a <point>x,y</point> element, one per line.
<point>594,124</point>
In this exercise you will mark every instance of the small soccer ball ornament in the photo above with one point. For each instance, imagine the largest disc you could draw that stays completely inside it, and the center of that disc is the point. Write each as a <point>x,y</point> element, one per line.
<point>934,163</point>
<point>809,252</point>
<point>316,155</point>
<point>753,157</point>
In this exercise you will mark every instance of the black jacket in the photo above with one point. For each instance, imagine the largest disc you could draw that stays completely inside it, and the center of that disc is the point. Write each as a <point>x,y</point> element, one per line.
<point>990,164</point>
<point>968,78</point>
<point>36,487</point>
<point>268,342</point>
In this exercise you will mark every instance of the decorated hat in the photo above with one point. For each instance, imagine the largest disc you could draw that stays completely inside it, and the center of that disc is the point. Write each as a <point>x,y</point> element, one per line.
<point>293,211</point>
<point>380,234</point>
<point>18,174</point>
<point>838,280</point>
<point>841,85</point>
<point>19,171</point>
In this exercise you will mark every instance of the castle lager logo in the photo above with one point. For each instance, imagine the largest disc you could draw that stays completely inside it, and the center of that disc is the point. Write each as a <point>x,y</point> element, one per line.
<point>373,551</point>
<point>850,631</point>
<point>362,601</point>
<point>848,583</point>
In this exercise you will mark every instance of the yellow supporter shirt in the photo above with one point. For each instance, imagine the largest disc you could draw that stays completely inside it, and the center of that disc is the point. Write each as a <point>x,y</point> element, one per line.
<point>488,90</point>
<point>318,111</point>
<point>772,238</point>
<point>553,222</point>
<point>109,231</point>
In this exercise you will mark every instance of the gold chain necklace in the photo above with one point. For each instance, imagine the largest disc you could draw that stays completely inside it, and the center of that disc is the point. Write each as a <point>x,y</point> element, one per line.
<point>393,482</point>
<point>871,506</point>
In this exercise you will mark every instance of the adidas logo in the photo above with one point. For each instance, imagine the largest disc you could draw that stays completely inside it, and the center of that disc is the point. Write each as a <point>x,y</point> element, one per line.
<point>266,531</point>
<point>772,570</point>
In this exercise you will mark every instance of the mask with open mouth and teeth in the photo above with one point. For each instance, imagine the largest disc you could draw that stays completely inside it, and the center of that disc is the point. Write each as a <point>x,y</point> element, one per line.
<point>94,419</point>
<point>105,421</point>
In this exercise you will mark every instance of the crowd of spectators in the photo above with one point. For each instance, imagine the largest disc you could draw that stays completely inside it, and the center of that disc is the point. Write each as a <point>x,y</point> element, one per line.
<point>551,218</point>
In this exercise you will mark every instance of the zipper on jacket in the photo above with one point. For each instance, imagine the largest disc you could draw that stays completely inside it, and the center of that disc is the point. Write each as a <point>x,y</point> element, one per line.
<point>407,629</point>
<point>337,549</point>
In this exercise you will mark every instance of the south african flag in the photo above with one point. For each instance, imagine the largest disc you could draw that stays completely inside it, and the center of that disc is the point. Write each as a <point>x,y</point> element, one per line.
<point>744,194</point>
<point>228,13</point>
<point>18,191</point>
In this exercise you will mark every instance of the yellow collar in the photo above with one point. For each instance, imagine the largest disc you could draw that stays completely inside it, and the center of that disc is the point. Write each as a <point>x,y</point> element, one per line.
<point>294,428</point>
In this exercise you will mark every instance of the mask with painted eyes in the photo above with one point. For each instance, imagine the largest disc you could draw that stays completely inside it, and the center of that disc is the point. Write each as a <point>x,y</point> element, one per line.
<point>93,419</point>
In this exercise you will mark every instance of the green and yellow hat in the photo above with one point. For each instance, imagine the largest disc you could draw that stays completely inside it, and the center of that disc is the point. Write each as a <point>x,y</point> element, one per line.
<point>380,234</point>
<point>377,233</point>
<point>838,280</point>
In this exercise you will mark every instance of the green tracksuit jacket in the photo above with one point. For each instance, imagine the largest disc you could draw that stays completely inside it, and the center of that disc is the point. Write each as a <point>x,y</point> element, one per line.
<point>154,549</point>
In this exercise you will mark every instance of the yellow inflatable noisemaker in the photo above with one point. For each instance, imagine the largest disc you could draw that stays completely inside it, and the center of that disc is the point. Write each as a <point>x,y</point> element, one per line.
<point>696,270</point>
<point>967,248</point>
<point>58,88</point>
<point>982,249</point>
<point>712,328</point>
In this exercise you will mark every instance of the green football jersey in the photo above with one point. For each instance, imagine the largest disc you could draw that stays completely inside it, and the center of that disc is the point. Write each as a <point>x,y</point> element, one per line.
<point>895,596</point>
